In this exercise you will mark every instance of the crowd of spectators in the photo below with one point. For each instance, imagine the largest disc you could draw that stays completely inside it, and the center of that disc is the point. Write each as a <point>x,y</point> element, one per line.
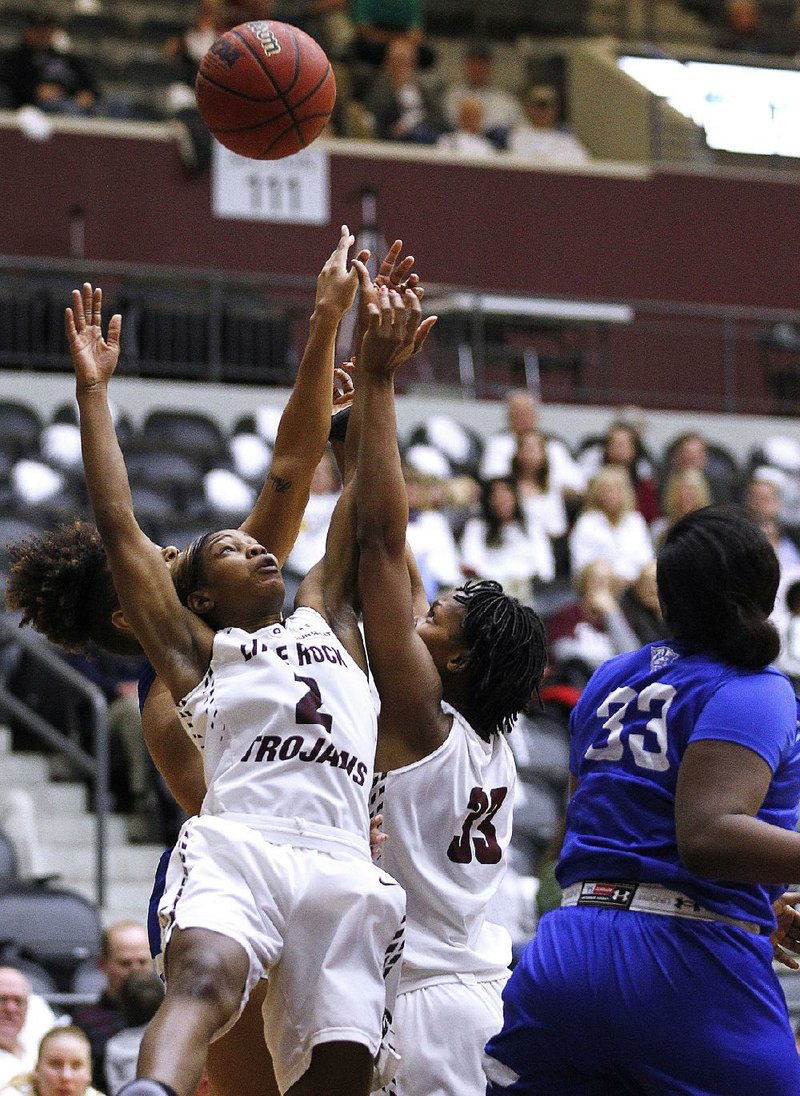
<point>391,85</point>
<point>88,1050</point>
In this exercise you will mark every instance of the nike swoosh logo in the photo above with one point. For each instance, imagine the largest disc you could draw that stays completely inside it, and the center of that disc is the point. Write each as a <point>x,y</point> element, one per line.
<point>386,882</point>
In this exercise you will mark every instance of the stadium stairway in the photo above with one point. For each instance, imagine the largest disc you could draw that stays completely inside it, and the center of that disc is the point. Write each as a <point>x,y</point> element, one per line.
<point>66,830</point>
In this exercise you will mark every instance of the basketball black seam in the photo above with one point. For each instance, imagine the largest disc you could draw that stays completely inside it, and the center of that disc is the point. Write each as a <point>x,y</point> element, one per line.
<point>235,91</point>
<point>276,117</point>
<point>281,94</point>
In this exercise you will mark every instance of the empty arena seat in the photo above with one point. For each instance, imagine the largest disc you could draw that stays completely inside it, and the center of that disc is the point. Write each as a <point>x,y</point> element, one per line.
<point>8,859</point>
<point>20,427</point>
<point>52,926</point>
<point>189,432</point>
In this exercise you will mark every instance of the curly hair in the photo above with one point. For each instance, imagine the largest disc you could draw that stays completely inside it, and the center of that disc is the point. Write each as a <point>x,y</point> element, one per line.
<point>507,653</point>
<point>61,583</point>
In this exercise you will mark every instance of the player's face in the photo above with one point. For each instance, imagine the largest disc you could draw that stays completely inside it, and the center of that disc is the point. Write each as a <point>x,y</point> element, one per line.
<point>243,577</point>
<point>441,630</point>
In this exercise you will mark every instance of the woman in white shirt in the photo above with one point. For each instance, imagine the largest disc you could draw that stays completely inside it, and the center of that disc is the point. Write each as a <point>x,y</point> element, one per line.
<point>609,527</point>
<point>541,502</point>
<point>502,543</point>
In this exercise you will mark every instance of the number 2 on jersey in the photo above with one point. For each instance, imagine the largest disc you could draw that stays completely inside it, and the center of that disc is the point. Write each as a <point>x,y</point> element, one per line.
<point>612,749</point>
<point>481,809</point>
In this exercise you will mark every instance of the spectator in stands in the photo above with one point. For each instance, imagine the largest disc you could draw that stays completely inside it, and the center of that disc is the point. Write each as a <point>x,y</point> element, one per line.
<point>400,107</point>
<point>18,823</point>
<point>522,415</point>
<point>500,110</point>
<point>540,500</point>
<point>501,543</point>
<point>141,994</point>
<point>789,628</point>
<point>764,502</point>
<point>611,528</point>
<point>40,72</point>
<point>15,990</point>
<point>309,548</point>
<point>592,628</point>
<point>63,1067</point>
<point>641,606</point>
<point>691,450</point>
<point>429,533</point>
<point>379,23</point>
<point>468,136</point>
<point>125,949</point>
<point>541,138</point>
<point>685,491</point>
<point>623,449</point>
<point>741,26</point>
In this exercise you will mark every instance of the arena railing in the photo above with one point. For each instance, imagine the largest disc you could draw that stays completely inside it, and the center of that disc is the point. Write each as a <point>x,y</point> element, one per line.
<point>93,765</point>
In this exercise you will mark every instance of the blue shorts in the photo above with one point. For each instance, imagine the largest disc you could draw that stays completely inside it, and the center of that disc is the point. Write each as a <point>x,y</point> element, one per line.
<point>607,1002</point>
<point>159,883</point>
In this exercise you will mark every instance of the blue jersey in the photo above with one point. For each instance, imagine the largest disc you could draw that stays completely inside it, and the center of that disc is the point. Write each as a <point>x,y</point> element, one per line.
<point>628,734</point>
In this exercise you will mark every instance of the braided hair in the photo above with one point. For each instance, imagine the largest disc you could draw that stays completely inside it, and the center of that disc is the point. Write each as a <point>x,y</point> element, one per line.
<point>507,654</point>
<point>61,583</point>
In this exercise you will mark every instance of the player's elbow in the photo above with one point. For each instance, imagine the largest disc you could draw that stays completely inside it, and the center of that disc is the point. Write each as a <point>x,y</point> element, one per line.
<point>700,850</point>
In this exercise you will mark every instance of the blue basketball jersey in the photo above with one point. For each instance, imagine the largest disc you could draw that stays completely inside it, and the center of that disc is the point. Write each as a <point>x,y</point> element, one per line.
<point>628,734</point>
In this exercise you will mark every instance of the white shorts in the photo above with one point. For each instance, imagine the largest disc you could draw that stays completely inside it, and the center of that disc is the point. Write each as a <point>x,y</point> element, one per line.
<point>326,927</point>
<point>440,1032</point>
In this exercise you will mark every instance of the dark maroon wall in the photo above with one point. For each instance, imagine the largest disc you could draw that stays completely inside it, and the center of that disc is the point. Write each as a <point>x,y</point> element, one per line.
<point>675,236</point>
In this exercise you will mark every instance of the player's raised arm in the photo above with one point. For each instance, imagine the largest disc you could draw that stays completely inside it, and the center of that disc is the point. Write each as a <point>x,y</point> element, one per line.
<point>306,419</point>
<point>147,597</point>
<point>406,676</point>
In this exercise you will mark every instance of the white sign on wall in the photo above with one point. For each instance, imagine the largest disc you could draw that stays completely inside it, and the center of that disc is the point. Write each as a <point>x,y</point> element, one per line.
<point>294,190</point>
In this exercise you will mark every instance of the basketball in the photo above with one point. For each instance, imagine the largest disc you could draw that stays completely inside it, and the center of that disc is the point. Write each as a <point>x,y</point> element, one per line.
<point>265,90</point>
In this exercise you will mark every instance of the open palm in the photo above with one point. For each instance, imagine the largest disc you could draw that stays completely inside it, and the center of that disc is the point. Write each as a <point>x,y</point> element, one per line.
<point>93,356</point>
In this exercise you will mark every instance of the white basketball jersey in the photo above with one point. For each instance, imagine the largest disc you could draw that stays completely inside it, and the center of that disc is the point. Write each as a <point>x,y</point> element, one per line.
<point>287,729</point>
<point>448,819</point>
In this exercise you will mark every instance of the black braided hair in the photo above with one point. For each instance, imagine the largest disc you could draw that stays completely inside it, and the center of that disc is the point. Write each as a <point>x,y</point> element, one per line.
<point>61,583</point>
<point>507,654</point>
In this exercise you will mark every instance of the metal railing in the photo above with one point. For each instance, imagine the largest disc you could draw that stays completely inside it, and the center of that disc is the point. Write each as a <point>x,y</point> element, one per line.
<point>95,766</point>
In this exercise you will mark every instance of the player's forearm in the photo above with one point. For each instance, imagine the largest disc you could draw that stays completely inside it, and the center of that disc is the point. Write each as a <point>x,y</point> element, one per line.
<point>381,499</point>
<point>104,466</point>
<point>740,848</point>
<point>306,419</point>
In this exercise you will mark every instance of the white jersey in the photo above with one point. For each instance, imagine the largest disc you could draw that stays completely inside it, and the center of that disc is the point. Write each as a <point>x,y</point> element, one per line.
<point>448,818</point>
<point>287,728</point>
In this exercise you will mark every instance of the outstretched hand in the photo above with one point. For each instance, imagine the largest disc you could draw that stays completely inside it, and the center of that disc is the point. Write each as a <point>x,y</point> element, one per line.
<point>93,357</point>
<point>786,935</point>
<point>395,328</point>
<point>336,285</point>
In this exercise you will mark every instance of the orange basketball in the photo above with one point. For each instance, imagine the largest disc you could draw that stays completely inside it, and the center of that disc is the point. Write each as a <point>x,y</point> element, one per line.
<point>265,89</point>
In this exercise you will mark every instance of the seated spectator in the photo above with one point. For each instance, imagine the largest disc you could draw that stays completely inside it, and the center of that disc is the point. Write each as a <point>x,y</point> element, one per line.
<point>141,994</point>
<point>309,548</point>
<point>40,72</point>
<point>379,23</point>
<point>541,139</point>
<point>18,823</point>
<point>522,415</point>
<point>125,949</point>
<point>789,628</point>
<point>500,109</point>
<point>15,1057</point>
<point>763,501</point>
<point>501,544</point>
<point>623,448</point>
<point>685,491</point>
<point>400,107</point>
<point>691,450</point>
<point>642,608</point>
<point>741,27</point>
<point>63,1067</point>
<point>429,532</point>
<point>611,528</point>
<point>592,628</point>
<point>467,138</point>
<point>540,500</point>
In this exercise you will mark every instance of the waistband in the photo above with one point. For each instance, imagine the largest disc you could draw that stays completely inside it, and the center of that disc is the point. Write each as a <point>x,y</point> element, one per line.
<point>465,979</point>
<point>301,832</point>
<point>646,898</point>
